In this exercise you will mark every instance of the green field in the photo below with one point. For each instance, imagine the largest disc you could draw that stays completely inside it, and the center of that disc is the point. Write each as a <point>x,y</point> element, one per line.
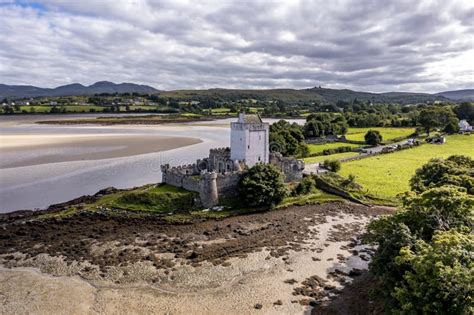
<point>317,148</point>
<point>337,156</point>
<point>388,175</point>
<point>222,110</point>
<point>162,198</point>
<point>357,134</point>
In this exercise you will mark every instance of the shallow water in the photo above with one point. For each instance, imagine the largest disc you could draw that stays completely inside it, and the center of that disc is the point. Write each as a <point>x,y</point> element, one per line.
<point>38,186</point>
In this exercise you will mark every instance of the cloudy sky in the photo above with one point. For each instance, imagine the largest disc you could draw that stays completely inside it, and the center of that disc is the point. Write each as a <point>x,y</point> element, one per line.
<point>424,46</point>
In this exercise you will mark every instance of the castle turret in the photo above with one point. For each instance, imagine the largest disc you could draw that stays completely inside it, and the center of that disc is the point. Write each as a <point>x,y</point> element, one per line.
<point>208,194</point>
<point>249,138</point>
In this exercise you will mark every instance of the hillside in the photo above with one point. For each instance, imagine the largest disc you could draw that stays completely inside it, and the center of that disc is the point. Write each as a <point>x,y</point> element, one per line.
<point>316,94</point>
<point>460,95</point>
<point>321,95</point>
<point>23,91</point>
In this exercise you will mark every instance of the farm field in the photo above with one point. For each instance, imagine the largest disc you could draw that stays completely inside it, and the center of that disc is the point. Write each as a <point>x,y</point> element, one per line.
<point>317,148</point>
<point>357,134</point>
<point>337,156</point>
<point>389,174</point>
<point>69,108</point>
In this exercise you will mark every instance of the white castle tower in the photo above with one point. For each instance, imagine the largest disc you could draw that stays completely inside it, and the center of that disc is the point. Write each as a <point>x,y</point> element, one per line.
<point>249,140</point>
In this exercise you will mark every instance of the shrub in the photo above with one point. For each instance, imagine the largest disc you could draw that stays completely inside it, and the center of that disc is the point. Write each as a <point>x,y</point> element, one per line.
<point>262,186</point>
<point>440,277</point>
<point>373,137</point>
<point>332,165</point>
<point>305,186</point>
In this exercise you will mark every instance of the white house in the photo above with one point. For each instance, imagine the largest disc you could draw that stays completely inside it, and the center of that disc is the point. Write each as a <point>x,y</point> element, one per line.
<point>464,126</point>
<point>249,140</point>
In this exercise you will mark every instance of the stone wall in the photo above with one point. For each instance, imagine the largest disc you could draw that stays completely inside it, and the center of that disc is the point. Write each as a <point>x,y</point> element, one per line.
<point>291,168</point>
<point>209,185</point>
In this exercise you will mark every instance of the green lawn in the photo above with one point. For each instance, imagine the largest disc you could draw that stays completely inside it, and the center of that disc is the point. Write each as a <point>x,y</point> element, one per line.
<point>317,148</point>
<point>69,108</point>
<point>357,134</point>
<point>162,198</point>
<point>221,110</point>
<point>388,175</point>
<point>337,156</point>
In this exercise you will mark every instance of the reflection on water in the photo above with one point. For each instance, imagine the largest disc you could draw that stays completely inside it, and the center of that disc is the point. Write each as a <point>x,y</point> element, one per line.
<point>38,186</point>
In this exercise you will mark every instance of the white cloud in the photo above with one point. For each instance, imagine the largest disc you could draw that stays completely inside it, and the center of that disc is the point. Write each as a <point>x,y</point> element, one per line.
<point>365,45</point>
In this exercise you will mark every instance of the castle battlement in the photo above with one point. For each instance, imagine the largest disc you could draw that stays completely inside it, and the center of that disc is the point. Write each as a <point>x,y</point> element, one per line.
<point>218,175</point>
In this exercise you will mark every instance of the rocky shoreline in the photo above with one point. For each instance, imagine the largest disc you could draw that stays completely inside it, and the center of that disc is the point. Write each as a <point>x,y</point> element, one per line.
<point>310,251</point>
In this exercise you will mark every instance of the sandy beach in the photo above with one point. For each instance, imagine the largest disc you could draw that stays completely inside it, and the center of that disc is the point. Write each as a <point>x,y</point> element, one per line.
<point>53,148</point>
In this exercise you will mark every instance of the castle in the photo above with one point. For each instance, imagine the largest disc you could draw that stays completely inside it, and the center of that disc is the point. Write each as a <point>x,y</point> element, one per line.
<point>218,175</point>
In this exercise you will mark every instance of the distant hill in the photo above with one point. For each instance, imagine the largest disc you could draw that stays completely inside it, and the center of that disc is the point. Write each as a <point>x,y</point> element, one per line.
<point>22,91</point>
<point>316,94</point>
<point>459,95</point>
<point>322,95</point>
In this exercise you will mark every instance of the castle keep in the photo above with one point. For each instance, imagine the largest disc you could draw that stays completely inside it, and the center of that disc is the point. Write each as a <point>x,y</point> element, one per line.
<point>218,175</point>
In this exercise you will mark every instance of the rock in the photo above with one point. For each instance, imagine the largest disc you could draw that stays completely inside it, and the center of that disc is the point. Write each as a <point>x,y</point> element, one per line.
<point>279,302</point>
<point>258,306</point>
<point>313,303</point>
<point>355,272</point>
<point>290,281</point>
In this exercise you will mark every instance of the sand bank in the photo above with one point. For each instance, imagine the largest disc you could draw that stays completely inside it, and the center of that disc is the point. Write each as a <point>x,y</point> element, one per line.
<point>52,148</point>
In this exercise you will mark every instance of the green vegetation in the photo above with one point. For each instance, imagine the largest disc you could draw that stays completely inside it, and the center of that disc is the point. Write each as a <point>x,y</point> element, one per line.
<point>373,137</point>
<point>315,196</point>
<point>337,156</point>
<point>437,117</point>
<point>321,125</point>
<point>319,148</point>
<point>288,139</point>
<point>424,257</point>
<point>262,186</point>
<point>358,134</point>
<point>388,175</point>
<point>161,199</point>
<point>465,111</point>
<point>332,165</point>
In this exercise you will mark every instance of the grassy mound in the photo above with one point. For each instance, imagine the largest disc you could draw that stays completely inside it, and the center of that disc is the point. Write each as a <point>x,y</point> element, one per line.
<point>162,198</point>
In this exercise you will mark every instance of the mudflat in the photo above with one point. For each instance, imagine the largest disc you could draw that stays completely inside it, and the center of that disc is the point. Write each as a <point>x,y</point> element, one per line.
<point>283,261</point>
<point>53,148</point>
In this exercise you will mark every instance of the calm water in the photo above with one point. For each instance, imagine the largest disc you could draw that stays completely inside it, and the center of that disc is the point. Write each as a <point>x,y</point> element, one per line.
<point>38,186</point>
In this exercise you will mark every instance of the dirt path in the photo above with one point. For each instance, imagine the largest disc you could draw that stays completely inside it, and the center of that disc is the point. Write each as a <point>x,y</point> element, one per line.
<point>280,260</point>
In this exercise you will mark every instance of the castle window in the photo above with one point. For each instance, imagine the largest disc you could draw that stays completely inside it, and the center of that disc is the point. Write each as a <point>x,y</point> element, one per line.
<point>258,158</point>
<point>248,146</point>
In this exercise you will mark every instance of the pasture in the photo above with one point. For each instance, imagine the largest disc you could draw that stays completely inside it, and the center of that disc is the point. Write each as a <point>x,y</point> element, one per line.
<point>317,148</point>
<point>388,175</point>
<point>322,158</point>
<point>357,134</point>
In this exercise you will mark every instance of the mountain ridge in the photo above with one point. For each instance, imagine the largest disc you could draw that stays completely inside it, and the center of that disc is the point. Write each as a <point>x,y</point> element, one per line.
<point>315,94</point>
<point>73,89</point>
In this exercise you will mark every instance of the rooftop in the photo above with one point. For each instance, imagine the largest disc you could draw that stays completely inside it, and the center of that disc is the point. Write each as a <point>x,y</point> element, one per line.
<point>250,118</point>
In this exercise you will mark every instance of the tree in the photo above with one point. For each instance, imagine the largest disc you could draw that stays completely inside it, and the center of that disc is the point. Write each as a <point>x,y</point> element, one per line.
<point>262,186</point>
<point>288,139</point>
<point>436,117</point>
<point>440,277</point>
<point>465,111</point>
<point>373,137</point>
<point>455,170</point>
<point>440,208</point>
<point>306,185</point>
<point>332,165</point>
<point>452,127</point>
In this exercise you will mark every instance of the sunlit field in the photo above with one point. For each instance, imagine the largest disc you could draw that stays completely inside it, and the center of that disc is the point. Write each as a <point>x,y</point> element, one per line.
<point>389,174</point>
<point>357,134</point>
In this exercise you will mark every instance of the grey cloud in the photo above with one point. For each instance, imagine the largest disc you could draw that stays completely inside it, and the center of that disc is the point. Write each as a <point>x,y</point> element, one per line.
<point>364,45</point>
